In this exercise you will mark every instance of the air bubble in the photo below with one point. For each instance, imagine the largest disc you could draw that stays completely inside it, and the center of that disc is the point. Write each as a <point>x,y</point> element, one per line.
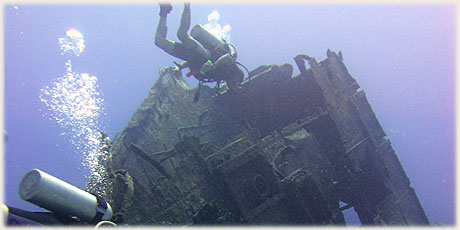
<point>215,28</point>
<point>76,105</point>
<point>73,43</point>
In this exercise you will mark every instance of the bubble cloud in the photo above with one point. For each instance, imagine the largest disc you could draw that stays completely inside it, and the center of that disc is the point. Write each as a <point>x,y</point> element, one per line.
<point>72,43</point>
<point>215,28</point>
<point>75,104</point>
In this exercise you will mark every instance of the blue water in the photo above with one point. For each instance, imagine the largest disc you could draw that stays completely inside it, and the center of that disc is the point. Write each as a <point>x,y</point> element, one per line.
<point>402,56</point>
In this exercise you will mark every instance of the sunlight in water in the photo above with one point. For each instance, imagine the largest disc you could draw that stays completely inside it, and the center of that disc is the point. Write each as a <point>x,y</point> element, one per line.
<point>76,105</point>
<point>214,27</point>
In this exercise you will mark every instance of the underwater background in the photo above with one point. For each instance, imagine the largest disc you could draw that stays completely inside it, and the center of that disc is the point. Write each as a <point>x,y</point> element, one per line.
<point>73,71</point>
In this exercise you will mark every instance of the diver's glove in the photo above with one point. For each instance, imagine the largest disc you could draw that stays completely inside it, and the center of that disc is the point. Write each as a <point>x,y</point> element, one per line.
<point>172,68</point>
<point>169,69</point>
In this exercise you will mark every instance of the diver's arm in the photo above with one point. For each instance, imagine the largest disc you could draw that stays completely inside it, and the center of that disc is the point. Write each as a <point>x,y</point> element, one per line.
<point>181,65</point>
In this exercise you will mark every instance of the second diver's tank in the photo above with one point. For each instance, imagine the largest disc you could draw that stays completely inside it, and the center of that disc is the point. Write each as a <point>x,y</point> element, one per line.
<point>60,197</point>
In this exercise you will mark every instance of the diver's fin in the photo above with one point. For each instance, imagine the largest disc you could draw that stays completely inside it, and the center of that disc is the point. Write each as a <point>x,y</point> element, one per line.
<point>165,9</point>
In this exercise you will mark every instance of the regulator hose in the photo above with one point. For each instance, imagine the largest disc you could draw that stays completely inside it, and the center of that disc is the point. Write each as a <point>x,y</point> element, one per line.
<point>238,63</point>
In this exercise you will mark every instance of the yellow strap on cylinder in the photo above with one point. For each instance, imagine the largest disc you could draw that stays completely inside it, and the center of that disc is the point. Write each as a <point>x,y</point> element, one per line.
<point>6,212</point>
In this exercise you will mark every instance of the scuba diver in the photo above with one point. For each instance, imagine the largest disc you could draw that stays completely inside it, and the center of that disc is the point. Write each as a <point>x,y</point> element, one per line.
<point>208,57</point>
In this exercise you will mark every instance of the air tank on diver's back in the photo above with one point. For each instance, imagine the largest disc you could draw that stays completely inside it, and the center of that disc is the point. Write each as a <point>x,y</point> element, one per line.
<point>210,41</point>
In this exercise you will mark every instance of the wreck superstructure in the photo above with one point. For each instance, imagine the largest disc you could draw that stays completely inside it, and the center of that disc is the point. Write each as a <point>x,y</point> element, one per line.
<point>281,150</point>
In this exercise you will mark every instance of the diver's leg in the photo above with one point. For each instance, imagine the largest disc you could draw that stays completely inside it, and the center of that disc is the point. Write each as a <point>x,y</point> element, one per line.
<point>160,35</point>
<point>184,22</point>
<point>188,41</point>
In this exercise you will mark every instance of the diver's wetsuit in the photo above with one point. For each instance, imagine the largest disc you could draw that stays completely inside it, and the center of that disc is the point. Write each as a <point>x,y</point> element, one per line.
<point>189,50</point>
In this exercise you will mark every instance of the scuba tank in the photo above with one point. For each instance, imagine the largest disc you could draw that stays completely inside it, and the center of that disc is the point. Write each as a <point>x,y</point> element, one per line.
<point>221,55</point>
<point>62,198</point>
<point>211,42</point>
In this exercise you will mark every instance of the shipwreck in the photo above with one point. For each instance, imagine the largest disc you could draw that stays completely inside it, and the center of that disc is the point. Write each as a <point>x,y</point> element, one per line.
<point>283,150</point>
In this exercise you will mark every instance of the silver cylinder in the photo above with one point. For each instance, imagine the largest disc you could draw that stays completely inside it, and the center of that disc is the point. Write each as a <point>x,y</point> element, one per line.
<point>209,40</point>
<point>5,214</point>
<point>60,197</point>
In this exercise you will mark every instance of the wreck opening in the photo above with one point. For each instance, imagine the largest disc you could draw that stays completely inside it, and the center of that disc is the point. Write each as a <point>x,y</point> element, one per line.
<point>350,214</point>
